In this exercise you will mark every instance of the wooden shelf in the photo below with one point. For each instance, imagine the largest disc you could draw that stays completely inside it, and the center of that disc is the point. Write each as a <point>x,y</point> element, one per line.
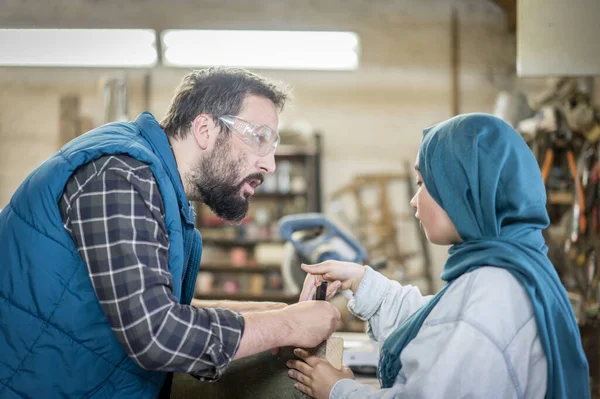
<point>243,296</point>
<point>239,269</point>
<point>239,243</point>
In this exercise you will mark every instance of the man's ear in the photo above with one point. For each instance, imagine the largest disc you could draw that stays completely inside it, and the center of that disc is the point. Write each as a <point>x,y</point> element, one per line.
<point>200,130</point>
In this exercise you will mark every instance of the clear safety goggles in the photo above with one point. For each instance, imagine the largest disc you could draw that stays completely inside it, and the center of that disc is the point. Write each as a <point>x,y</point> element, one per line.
<point>261,139</point>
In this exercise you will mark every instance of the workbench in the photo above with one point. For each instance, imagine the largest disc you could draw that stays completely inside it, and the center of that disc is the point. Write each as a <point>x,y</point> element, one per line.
<point>259,376</point>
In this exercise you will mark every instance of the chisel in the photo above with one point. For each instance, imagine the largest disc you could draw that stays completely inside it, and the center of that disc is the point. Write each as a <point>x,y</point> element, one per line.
<point>321,294</point>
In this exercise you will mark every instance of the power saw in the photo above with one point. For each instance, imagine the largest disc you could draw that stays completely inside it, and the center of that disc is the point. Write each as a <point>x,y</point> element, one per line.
<point>313,238</point>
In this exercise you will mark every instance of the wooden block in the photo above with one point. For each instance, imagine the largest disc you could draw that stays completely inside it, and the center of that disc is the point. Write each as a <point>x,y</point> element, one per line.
<point>259,376</point>
<point>332,350</point>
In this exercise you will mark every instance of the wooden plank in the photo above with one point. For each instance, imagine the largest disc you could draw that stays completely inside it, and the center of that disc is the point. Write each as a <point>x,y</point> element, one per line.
<point>560,198</point>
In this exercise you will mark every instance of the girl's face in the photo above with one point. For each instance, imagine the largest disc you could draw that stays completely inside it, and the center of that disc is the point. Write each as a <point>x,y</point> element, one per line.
<point>434,220</point>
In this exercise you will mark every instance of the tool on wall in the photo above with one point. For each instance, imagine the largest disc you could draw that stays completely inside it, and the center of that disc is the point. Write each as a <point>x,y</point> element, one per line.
<point>586,250</point>
<point>564,135</point>
<point>559,144</point>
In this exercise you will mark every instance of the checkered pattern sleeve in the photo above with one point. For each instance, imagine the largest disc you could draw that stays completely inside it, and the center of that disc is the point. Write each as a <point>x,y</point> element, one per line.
<point>114,212</point>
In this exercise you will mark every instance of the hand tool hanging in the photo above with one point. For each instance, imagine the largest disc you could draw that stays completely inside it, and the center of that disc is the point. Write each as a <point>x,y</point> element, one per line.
<point>559,143</point>
<point>592,188</point>
<point>589,169</point>
<point>588,246</point>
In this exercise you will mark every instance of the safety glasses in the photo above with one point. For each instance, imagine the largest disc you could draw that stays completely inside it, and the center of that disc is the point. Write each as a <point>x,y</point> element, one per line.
<point>261,139</point>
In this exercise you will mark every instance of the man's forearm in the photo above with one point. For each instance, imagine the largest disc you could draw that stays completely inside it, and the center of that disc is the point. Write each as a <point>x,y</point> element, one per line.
<point>263,331</point>
<point>239,306</point>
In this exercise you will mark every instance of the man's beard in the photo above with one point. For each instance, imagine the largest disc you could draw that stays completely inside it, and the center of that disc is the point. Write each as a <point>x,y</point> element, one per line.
<point>214,182</point>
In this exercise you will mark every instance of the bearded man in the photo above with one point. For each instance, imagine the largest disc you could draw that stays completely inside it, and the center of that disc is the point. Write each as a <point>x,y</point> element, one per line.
<point>100,253</point>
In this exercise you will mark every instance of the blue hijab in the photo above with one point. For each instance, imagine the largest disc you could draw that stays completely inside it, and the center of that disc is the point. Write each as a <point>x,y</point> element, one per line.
<point>483,174</point>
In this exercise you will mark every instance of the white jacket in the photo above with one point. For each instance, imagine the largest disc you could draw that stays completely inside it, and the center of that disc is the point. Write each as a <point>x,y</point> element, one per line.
<point>479,341</point>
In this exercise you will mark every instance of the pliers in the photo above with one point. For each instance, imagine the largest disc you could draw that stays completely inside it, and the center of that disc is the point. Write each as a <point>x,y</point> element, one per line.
<point>560,142</point>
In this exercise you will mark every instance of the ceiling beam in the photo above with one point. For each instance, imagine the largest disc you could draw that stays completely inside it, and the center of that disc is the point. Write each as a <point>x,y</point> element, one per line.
<point>510,8</point>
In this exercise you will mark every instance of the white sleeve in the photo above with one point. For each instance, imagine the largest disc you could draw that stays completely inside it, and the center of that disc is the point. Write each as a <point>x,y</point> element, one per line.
<point>445,360</point>
<point>384,303</point>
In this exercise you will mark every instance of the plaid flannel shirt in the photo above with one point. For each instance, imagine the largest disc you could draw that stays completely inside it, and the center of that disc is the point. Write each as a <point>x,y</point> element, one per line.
<point>113,210</point>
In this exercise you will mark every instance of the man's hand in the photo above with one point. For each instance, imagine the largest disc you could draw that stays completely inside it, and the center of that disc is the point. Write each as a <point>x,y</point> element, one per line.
<point>340,275</point>
<point>310,323</point>
<point>273,305</point>
<point>315,377</point>
<point>304,324</point>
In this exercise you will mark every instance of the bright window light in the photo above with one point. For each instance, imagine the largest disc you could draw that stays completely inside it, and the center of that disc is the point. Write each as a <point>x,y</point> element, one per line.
<point>261,49</point>
<point>78,47</point>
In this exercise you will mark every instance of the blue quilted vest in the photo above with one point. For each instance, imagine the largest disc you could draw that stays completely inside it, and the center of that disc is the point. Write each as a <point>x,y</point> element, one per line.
<point>55,340</point>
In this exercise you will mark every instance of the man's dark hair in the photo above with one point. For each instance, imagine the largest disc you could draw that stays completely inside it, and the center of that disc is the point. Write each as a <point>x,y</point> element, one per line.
<point>216,91</point>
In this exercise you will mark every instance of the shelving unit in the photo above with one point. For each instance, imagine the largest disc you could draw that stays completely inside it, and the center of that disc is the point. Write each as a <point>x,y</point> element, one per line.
<point>243,262</point>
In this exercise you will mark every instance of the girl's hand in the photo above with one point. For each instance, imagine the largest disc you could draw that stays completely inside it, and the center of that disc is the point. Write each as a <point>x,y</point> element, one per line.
<point>340,275</point>
<point>315,377</point>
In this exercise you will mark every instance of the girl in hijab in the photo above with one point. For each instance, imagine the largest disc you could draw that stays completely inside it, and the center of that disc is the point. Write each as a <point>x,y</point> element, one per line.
<point>502,326</point>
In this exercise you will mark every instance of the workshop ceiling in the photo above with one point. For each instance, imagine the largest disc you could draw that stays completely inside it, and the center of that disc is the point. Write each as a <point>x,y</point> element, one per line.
<point>396,35</point>
<point>224,14</point>
<point>510,8</point>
